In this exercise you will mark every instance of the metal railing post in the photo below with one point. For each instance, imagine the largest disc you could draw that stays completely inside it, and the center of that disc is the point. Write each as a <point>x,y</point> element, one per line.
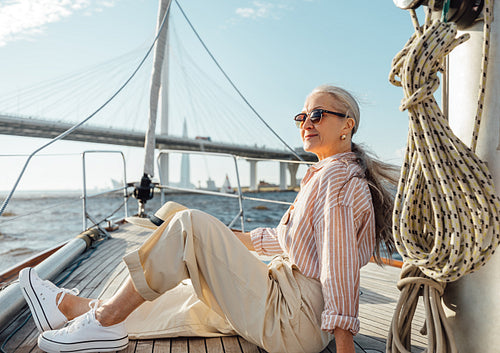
<point>84,189</point>
<point>84,193</point>
<point>240,194</point>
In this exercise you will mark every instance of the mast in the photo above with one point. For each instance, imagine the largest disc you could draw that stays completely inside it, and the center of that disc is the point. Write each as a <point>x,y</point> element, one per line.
<point>163,171</point>
<point>144,190</point>
<point>476,323</point>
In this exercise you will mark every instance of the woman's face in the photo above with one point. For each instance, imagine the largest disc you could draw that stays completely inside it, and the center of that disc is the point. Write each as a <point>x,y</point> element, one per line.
<point>324,138</point>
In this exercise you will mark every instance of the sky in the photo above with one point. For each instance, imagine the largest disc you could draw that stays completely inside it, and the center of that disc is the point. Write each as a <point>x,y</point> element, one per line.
<point>275,51</point>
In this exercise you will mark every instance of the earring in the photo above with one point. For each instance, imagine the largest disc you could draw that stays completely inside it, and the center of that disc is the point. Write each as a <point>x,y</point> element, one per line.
<point>343,137</point>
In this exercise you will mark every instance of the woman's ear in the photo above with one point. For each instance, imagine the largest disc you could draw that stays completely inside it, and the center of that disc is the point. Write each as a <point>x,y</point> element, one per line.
<point>349,125</point>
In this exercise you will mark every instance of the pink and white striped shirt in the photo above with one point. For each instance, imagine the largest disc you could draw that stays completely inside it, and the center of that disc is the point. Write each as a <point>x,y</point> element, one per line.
<point>329,233</point>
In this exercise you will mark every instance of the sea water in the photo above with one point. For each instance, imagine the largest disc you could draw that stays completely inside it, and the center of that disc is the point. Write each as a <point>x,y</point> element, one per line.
<point>37,221</point>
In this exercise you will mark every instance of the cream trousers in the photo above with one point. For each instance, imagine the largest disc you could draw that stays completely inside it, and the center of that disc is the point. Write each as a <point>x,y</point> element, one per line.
<point>273,306</point>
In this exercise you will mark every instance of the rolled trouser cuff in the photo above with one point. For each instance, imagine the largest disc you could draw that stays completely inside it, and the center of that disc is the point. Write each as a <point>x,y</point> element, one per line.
<point>133,262</point>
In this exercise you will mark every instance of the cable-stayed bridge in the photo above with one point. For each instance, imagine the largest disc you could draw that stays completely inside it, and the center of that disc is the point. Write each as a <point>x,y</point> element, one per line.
<point>18,126</point>
<point>27,127</point>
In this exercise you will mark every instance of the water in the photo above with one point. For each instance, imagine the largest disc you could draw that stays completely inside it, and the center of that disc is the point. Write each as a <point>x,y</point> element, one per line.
<point>37,221</point>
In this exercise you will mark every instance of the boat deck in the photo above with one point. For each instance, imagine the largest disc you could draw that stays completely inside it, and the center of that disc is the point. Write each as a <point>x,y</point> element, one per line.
<point>101,274</point>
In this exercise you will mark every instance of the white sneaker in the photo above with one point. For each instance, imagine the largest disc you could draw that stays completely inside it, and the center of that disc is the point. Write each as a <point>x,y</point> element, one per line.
<point>41,298</point>
<point>85,334</point>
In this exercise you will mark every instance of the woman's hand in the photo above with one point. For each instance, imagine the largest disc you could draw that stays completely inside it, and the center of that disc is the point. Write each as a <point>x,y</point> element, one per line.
<point>245,238</point>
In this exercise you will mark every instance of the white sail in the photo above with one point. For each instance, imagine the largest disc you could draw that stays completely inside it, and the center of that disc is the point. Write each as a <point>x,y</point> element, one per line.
<point>226,187</point>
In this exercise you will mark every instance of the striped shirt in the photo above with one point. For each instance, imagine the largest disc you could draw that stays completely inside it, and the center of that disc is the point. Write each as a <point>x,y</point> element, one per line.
<point>329,233</point>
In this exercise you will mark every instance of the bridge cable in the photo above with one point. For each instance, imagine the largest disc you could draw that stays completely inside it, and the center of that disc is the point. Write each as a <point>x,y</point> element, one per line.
<point>234,86</point>
<point>224,112</point>
<point>72,129</point>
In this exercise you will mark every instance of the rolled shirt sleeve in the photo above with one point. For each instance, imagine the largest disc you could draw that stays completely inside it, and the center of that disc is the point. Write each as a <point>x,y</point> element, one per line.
<point>339,272</point>
<point>265,241</point>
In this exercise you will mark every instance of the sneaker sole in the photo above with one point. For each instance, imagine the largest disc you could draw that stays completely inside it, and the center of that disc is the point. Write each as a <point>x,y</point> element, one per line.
<point>52,346</point>
<point>39,316</point>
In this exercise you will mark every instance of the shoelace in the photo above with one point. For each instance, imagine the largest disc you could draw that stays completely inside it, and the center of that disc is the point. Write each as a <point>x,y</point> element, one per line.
<point>82,320</point>
<point>65,291</point>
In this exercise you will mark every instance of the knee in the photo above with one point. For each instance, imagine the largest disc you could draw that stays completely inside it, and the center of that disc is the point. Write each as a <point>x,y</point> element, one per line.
<point>199,217</point>
<point>193,219</point>
<point>203,223</point>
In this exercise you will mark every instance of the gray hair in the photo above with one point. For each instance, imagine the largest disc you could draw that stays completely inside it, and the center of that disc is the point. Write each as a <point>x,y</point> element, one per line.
<point>381,177</point>
<point>345,98</point>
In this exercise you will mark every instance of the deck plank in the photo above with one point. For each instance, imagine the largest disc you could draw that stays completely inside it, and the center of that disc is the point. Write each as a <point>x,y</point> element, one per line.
<point>162,346</point>
<point>231,344</point>
<point>21,340</point>
<point>179,345</point>
<point>197,345</point>
<point>145,346</point>
<point>247,347</point>
<point>131,347</point>
<point>214,345</point>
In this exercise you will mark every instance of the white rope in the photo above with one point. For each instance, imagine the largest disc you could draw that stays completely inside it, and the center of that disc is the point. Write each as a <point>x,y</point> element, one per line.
<point>488,18</point>
<point>446,211</point>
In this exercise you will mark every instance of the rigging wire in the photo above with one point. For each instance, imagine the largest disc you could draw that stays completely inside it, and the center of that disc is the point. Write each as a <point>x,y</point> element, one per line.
<point>49,92</point>
<point>215,107</point>
<point>72,129</point>
<point>234,86</point>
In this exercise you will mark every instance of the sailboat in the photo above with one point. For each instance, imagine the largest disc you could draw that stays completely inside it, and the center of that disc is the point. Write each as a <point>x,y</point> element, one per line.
<point>226,187</point>
<point>378,297</point>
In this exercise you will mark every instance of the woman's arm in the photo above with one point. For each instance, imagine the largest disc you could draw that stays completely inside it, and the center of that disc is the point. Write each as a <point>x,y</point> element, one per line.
<point>344,341</point>
<point>244,238</point>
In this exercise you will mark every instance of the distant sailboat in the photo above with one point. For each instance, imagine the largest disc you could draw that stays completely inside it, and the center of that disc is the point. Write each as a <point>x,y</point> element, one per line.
<point>226,187</point>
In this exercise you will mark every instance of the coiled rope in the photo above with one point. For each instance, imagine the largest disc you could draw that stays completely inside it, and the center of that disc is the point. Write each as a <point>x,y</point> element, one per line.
<point>446,211</point>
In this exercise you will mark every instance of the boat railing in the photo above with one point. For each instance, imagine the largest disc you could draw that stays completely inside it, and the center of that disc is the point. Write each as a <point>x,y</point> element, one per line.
<point>85,215</point>
<point>164,184</point>
<point>84,196</point>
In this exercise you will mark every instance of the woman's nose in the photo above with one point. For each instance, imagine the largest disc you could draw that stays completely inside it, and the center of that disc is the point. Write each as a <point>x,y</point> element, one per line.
<point>307,124</point>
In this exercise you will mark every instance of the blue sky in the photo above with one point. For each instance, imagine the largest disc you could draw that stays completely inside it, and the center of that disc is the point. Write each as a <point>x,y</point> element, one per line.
<point>275,51</point>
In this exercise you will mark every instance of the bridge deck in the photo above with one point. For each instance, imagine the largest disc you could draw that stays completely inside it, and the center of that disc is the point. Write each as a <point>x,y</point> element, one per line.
<point>20,126</point>
<point>103,273</point>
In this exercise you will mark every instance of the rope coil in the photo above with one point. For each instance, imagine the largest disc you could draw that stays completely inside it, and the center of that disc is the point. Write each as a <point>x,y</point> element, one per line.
<point>446,214</point>
<point>445,194</point>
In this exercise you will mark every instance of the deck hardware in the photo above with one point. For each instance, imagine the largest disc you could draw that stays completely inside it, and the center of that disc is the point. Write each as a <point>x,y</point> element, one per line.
<point>463,12</point>
<point>143,192</point>
<point>408,4</point>
<point>467,13</point>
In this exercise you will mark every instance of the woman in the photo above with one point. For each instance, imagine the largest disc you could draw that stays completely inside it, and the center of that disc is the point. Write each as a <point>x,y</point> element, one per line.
<point>308,292</point>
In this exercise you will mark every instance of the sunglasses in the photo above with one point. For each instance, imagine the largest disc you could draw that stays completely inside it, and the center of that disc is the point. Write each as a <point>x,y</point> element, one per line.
<point>315,115</point>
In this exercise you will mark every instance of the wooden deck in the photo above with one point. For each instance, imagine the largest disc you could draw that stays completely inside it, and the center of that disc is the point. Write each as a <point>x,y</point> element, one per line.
<point>103,272</point>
